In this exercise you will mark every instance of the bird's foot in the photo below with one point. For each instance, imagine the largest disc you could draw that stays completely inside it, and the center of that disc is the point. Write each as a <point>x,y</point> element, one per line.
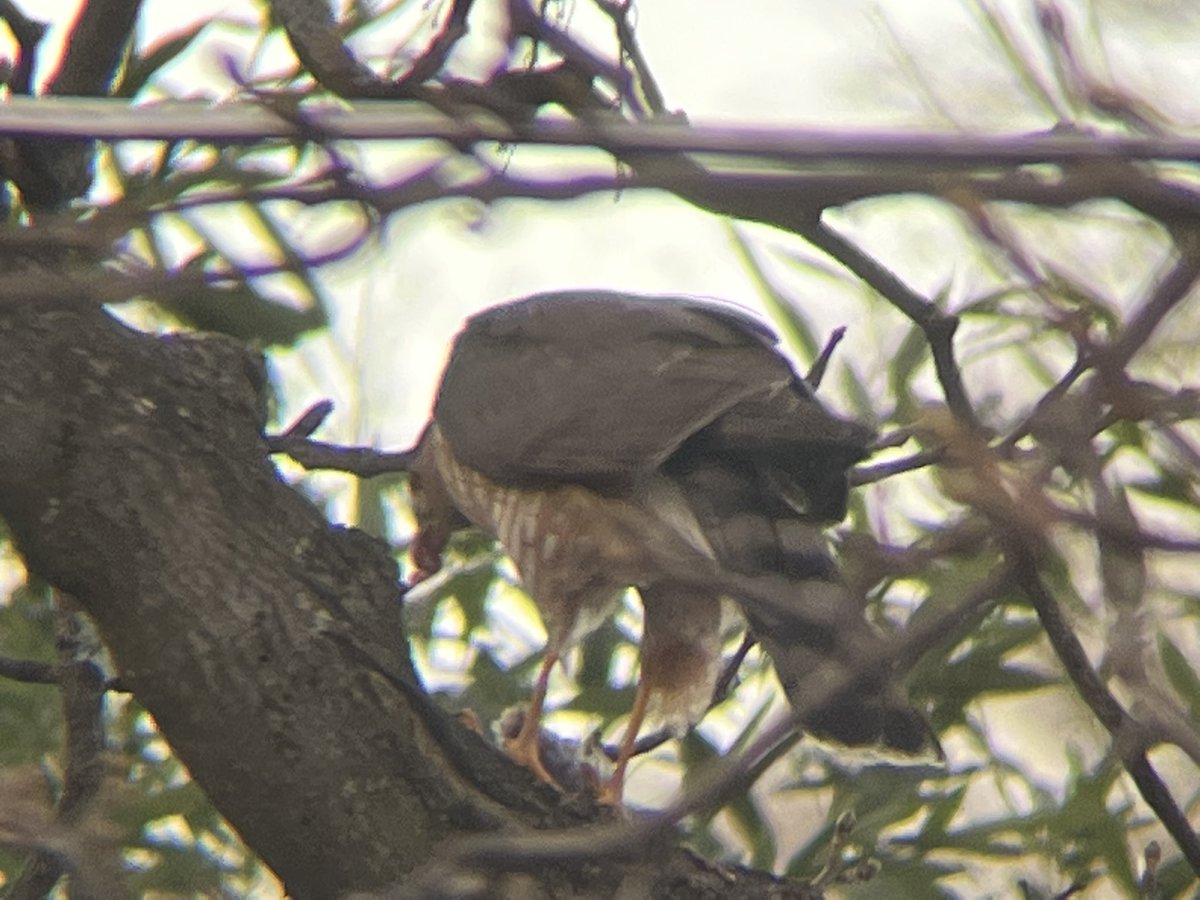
<point>611,792</point>
<point>521,737</point>
<point>525,750</point>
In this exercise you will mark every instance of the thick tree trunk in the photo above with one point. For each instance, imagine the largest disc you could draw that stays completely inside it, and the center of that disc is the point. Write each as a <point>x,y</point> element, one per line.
<point>267,643</point>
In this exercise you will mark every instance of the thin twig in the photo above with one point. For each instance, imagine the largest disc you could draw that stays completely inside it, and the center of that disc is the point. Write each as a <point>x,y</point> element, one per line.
<point>526,19</point>
<point>861,475</point>
<point>937,326</point>
<point>308,422</point>
<point>1044,406</point>
<point>365,462</point>
<point>817,372</point>
<point>434,57</point>
<point>1170,290</point>
<point>720,693</point>
<point>619,12</point>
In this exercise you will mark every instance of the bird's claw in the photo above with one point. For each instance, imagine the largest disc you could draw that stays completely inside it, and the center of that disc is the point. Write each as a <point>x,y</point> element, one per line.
<point>610,792</point>
<point>524,750</point>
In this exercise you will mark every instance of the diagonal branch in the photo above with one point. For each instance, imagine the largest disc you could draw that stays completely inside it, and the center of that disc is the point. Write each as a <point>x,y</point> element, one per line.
<point>51,174</point>
<point>99,37</point>
<point>1129,738</point>
<point>317,43</point>
<point>938,327</point>
<point>1171,290</point>
<point>29,33</point>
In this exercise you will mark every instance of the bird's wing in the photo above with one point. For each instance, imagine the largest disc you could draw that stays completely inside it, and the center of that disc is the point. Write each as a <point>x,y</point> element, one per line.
<point>589,386</point>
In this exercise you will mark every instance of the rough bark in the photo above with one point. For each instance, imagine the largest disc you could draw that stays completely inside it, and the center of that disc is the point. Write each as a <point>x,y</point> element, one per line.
<point>267,643</point>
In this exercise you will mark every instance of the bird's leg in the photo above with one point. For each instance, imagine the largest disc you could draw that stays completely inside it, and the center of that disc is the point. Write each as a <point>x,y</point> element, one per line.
<point>524,749</point>
<point>611,791</point>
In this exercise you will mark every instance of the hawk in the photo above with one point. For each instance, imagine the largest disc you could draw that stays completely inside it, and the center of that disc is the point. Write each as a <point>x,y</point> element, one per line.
<point>611,441</point>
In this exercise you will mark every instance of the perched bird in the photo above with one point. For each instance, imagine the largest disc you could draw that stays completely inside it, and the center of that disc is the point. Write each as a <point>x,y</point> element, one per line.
<point>611,441</point>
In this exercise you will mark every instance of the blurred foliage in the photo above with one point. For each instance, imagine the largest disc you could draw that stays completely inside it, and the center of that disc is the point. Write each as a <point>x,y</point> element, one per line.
<point>174,842</point>
<point>1030,795</point>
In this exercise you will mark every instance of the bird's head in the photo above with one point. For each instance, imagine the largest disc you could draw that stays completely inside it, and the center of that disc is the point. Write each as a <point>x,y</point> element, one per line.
<point>437,516</point>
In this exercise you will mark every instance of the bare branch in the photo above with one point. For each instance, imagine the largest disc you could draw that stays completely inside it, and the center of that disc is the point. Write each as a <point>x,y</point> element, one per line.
<point>318,45</point>
<point>29,33</point>
<point>620,13</point>
<point>1129,737</point>
<point>870,474</point>
<point>51,173</point>
<point>316,42</point>
<point>937,326</point>
<point>238,123</point>
<point>1171,289</point>
<point>28,670</point>
<point>310,420</point>
<point>83,690</point>
<point>365,462</point>
<point>454,29</point>
<point>817,372</point>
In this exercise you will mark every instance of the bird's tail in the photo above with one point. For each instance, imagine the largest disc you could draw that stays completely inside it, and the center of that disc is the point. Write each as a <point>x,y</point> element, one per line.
<point>763,520</point>
<point>832,665</point>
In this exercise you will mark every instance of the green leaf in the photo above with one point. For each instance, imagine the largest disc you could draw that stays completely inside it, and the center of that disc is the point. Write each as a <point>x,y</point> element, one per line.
<point>755,829</point>
<point>794,327</point>
<point>242,312</point>
<point>493,689</point>
<point>1181,674</point>
<point>30,714</point>
<point>141,68</point>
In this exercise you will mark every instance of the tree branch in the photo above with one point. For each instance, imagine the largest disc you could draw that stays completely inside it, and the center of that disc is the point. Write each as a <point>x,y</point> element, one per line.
<point>937,327</point>
<point>29,33</point>
<point>52,173</point>
<point>1129,738</point>
<point>28,670</point>
<point>83,691</point>
<point>317,43</point>
<point>245,123</point>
